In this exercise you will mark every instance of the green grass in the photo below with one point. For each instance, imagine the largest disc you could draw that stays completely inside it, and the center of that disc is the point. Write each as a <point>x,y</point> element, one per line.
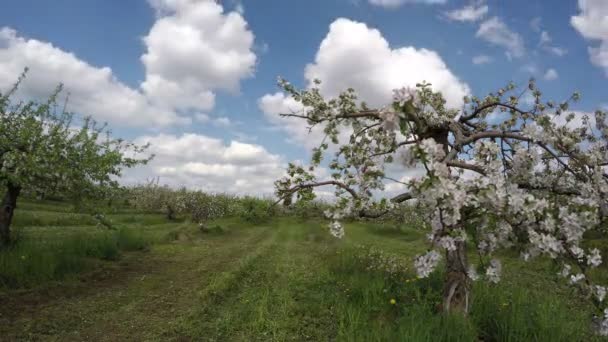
<point>286,279</point>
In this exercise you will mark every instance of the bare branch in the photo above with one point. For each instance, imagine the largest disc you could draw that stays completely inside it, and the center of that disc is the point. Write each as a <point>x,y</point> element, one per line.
<point>477,111</point>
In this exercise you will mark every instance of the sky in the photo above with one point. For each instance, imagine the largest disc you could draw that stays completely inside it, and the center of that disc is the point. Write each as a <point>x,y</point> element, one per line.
<point>197,78</point>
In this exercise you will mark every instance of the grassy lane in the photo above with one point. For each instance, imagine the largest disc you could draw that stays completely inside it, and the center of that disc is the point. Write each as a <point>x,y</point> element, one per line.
<point>284,293</point>
<point>139,300</point>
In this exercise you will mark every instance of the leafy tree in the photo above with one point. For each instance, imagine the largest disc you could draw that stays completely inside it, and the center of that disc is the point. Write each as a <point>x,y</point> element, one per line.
<point>41,151</point>
<point>154,197</point>
<point>494,174</point>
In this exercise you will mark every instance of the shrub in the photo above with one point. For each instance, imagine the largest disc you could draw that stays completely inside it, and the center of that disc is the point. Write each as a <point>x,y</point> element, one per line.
<point>255,210</point>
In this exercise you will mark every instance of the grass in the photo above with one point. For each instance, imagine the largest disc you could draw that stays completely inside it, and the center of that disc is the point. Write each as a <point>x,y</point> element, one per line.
<point>286,279</point>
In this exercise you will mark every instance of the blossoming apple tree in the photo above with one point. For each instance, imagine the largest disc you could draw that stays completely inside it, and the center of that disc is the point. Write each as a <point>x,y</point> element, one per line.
<point>495,174</point>
<point>41,151</point>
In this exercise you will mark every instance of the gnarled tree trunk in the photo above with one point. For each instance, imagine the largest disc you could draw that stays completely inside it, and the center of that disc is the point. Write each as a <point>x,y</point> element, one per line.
<point>9,203</point>
<point>457,287</point>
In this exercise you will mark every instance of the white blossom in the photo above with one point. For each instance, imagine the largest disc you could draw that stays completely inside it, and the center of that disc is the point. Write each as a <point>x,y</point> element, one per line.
<point>603,324</point>
<point>390,119</point>
<point>600,292</point>
<point>576,278</point>
<point>534,132</point>
<point>493,271</point>
<point>565,271</point>
<point>546,243</point>
<point>472,273</point>
<point>594,259</point>
<point>578,252</point>
<point>403,95</point>
<point>425,264</point>
<point>448,243</point>
<point>336,229</point>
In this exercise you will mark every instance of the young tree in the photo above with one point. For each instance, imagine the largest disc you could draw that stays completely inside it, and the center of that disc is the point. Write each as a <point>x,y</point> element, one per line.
<point>41,151</point>
<point>495,174</point>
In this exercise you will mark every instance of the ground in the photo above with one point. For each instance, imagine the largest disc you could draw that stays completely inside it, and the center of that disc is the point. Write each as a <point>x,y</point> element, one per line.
<point>284,280</point>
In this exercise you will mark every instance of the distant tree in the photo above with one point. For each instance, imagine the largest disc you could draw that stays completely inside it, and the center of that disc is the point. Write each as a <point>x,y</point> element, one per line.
<point>495,174</point>
<point>42,151</point>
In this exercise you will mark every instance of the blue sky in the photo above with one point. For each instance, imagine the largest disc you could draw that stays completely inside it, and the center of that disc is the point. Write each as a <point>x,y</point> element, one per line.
<point>225,138</point>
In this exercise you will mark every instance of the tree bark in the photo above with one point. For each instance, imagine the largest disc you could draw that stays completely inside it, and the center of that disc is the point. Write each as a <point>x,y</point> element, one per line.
<point>9,203</point>
<point>457,287</point>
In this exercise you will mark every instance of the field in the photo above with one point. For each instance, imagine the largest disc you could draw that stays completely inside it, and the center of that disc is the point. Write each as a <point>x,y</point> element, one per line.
<point>283,280</point>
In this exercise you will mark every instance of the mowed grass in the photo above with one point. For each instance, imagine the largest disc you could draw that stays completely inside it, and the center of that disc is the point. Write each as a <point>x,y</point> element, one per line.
<point>285,280</point>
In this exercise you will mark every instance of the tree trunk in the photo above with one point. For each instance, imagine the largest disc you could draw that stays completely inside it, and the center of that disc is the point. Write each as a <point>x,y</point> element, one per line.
<point>457,287</point>
<point>170,214</point>
<point>9,203</point>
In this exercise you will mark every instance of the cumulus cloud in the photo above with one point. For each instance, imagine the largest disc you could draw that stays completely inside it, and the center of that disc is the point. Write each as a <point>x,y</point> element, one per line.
<point>200,162</point>
<point>355,55</point>
<point>193,48</point>
<point>550,75</point>
<point>93,90</point>
<point>496,32</point>
<point>398,3</point>
<point>221,121</point>
<point>482,59</point>
<point>469,13</point>
<point>592,23</point>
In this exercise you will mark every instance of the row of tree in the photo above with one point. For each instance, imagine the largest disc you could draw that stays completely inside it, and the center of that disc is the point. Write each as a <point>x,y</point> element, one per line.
<point>197,206</point>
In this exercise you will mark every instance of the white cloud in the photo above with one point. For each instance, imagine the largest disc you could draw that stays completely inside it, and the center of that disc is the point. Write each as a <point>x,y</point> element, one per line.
<point>93,91</point>
<point>469,13</point>
<point>482,59</point>
<point>545,38</point>
<point>577,121</point>
<point>297,130</point>
<point>545,41</point>
<point>535,24</point>
<point>354,55</point>
<point>592,23</point>
<point>496,32</point>
<point>530,68</point>
<point>397,3</point>
<point>223,122</point>
<point>193,48</point>
<point>556,50</point>
<point>200,162</point>
<point>550,75</point>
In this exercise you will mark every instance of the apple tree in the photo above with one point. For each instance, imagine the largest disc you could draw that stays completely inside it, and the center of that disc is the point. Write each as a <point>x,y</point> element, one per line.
<point>42,150</point>
<point>497,173</point>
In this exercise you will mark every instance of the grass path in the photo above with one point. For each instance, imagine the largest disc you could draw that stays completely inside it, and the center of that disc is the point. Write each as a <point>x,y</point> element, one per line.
<point>142,298</point>
<point>278,294</point>
<point>252,284</point>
